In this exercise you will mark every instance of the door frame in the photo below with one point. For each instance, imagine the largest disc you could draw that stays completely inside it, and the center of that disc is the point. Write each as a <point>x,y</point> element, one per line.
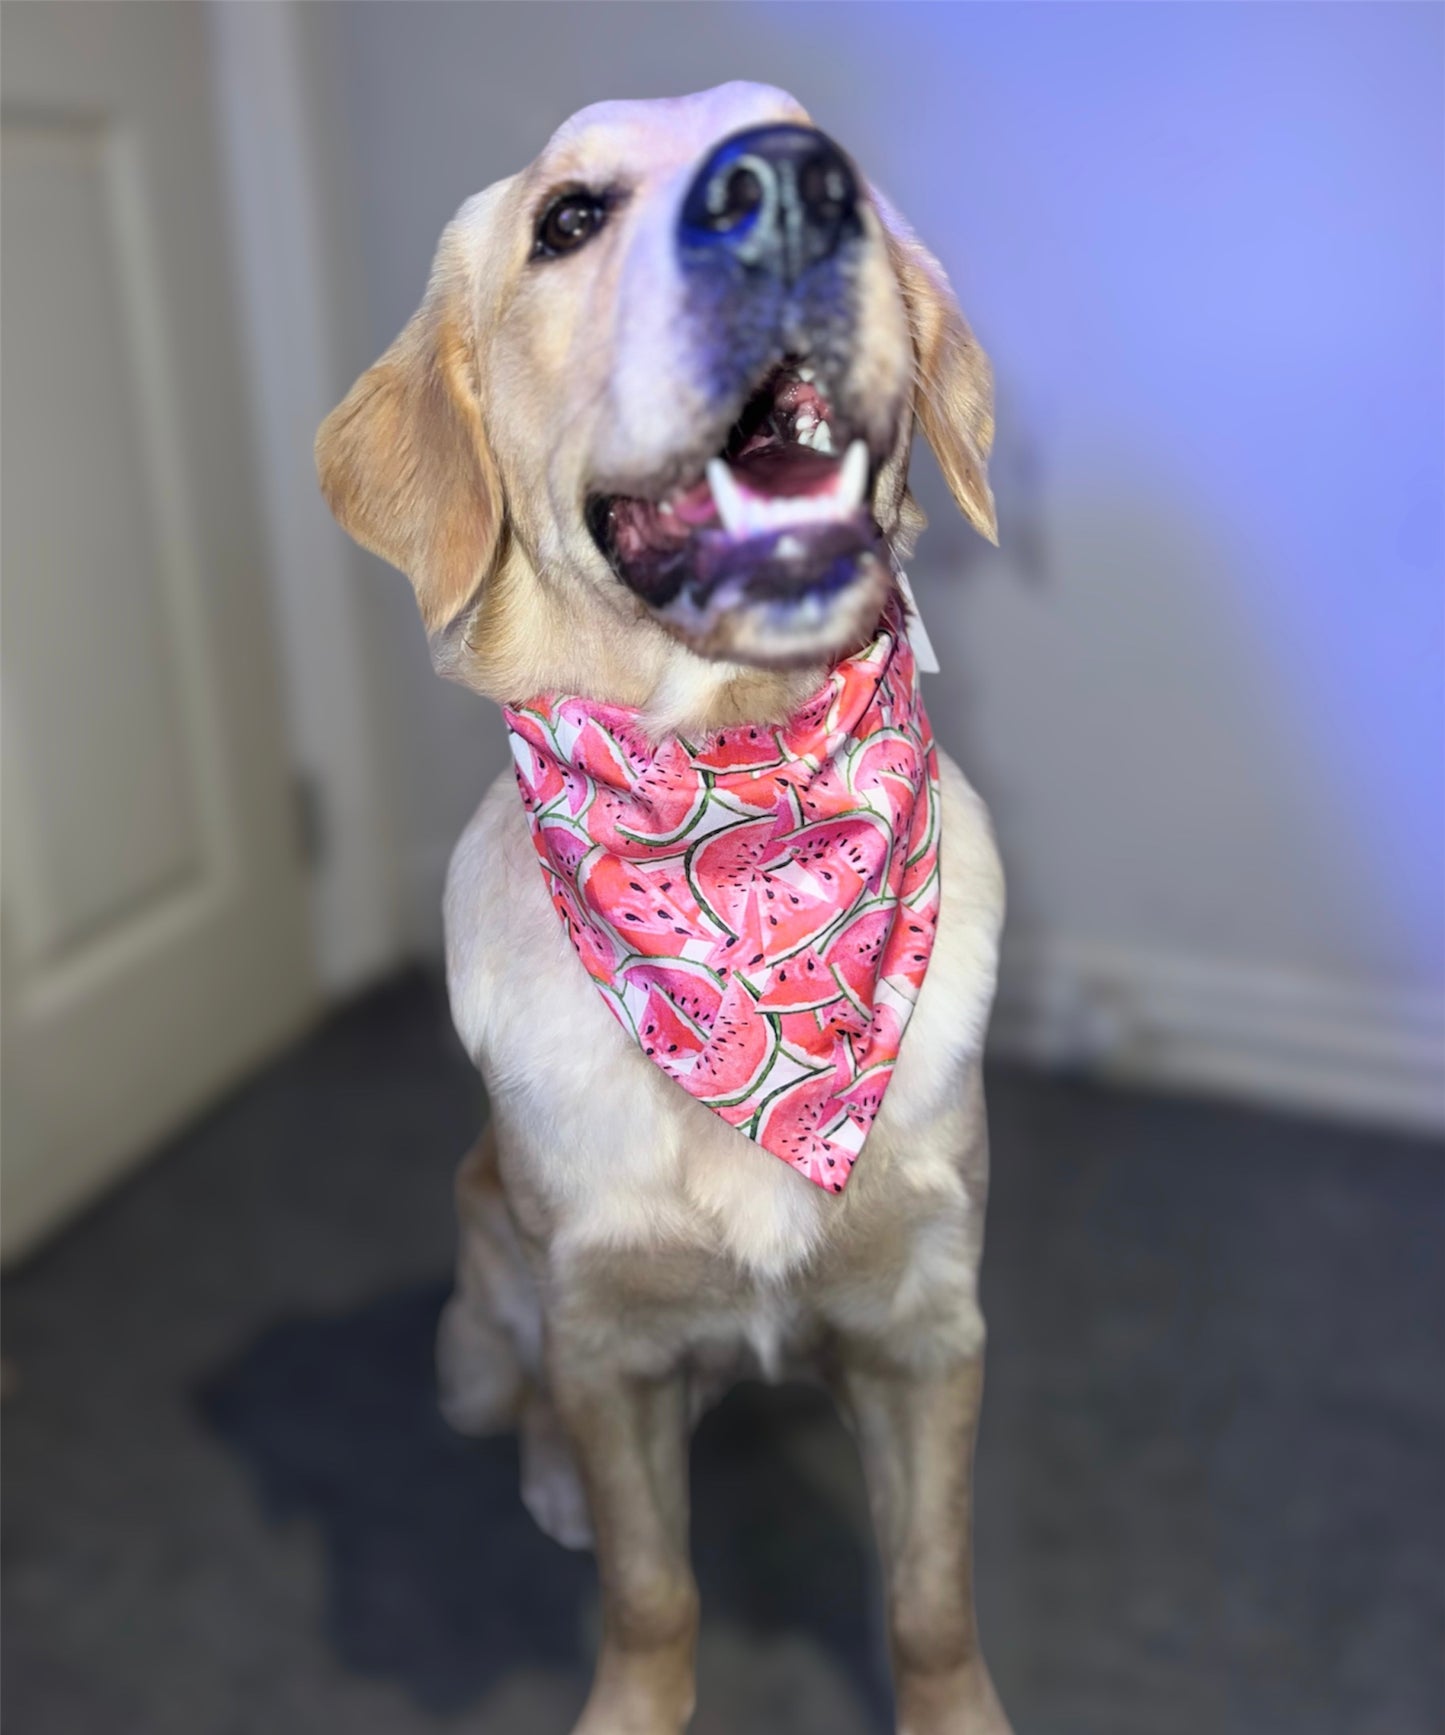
<point>295,301</point>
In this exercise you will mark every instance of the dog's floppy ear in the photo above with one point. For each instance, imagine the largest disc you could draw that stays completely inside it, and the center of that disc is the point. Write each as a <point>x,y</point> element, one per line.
<point>404,462</point>
<point>954,404</point>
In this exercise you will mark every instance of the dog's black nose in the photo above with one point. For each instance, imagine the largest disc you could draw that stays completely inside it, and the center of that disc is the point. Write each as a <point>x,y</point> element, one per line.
<point>775,199</point>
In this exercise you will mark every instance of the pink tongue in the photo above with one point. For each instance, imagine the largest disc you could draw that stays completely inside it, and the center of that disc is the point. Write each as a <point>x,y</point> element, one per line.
<point>695,508</point>
<point>785,470</point>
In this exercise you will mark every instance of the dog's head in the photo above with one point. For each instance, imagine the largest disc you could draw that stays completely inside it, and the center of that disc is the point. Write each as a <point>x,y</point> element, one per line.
<point>657,403</point>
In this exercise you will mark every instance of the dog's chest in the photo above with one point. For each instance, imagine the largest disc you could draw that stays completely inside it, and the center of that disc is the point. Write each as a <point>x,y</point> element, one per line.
<point>611,1153</point>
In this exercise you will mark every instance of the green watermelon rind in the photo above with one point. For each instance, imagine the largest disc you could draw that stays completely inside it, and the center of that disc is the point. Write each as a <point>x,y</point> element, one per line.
<point>916,896</point>
<point>755,1124</point>
<point>691,1023</point>
<point>734,1097</point>
<point>660,839</point>
<point>683,966</point>
<point>688,966</point>
<point>825,936</point>
<point>558,808</point>
<point>930,837</point>
<point>868,1072</point>
<point>860,749</point>
<point>545,725</point>
<point>848,994</point>
<point>704,903</point>
<point>620,758</point>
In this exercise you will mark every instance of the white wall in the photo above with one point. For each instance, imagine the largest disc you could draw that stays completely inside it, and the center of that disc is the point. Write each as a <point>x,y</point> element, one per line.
<point>1201,682</point>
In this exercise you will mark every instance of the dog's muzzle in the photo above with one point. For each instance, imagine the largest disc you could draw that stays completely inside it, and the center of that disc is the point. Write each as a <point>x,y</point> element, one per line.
<point>763,549</point>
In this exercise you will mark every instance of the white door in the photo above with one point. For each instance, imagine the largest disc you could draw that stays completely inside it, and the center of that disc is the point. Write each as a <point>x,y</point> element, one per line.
<point>154,936</point>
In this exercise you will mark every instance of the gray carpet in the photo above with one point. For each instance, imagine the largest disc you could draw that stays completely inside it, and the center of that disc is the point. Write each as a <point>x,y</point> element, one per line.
<point>1211,1483</point>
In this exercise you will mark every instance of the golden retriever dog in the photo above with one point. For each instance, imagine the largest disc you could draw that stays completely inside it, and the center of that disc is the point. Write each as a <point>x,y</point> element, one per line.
<point>561,452</point>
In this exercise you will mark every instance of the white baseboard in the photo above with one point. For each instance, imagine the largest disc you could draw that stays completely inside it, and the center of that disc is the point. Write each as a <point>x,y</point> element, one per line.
<point>1274,1036</point>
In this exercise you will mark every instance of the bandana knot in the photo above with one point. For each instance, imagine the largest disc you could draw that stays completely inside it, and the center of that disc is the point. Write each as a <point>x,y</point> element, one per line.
<point>757,910</point>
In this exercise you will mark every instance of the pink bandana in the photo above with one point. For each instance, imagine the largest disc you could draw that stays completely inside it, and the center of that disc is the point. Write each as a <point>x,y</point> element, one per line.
<point>757,911</point>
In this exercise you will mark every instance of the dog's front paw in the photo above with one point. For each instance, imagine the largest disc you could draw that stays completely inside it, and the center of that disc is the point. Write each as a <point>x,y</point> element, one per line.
<point>639,1699</point>
<point>958,1701</point>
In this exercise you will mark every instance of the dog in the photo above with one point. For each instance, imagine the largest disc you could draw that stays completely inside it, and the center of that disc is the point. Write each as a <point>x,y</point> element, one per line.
<point>646,441</point>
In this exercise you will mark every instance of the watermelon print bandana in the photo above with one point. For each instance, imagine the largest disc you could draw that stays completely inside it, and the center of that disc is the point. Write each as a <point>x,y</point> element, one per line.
<point>756,909</point>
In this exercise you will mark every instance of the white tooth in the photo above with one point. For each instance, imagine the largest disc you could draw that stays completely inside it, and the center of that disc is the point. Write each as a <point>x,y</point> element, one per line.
<point>666,509</point>
<point>823,439</point>
<point>807,375</point>
<point>789,547</point>
<point>853,476</point>
<point>732,508</point>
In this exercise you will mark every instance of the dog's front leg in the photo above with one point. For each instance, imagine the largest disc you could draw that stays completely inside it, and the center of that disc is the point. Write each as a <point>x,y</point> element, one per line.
<point>916,1430</point>
<point>630,1439</point>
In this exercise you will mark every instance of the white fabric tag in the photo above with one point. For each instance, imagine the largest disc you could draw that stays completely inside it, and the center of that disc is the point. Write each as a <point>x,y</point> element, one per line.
<point>923,652</point>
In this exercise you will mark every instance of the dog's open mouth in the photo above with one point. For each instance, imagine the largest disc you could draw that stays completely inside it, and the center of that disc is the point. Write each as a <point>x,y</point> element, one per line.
<point>777,527</point>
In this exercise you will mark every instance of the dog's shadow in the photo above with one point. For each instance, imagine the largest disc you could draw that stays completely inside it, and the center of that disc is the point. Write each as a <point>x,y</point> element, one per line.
<point>436,1576</point>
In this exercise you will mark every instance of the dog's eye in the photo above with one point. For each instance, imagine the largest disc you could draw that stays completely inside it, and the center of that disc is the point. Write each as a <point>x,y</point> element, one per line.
<point>567,223</point>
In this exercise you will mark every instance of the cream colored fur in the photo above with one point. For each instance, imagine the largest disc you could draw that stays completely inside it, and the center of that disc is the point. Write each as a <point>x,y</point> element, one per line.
<point>625,1252</point>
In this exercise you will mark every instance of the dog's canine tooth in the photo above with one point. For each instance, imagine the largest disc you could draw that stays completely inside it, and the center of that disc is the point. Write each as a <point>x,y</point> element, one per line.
<point>732,508</point>
<point>823,439</point>
<point>744,513</point>
<point>853,476</point>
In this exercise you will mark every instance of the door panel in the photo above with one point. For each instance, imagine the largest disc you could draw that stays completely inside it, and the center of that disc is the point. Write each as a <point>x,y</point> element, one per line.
<point>154,936</point>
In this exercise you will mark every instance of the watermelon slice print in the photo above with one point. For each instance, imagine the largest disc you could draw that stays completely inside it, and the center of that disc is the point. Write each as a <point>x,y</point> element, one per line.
<point>741,1048</point>
<point>734,750</point>
<point>642,916</point>
<point>693,989</point>
<point>730,878</point>
<point>757,911</point>
<point>668,1036</point>
<point>797,1123</point>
